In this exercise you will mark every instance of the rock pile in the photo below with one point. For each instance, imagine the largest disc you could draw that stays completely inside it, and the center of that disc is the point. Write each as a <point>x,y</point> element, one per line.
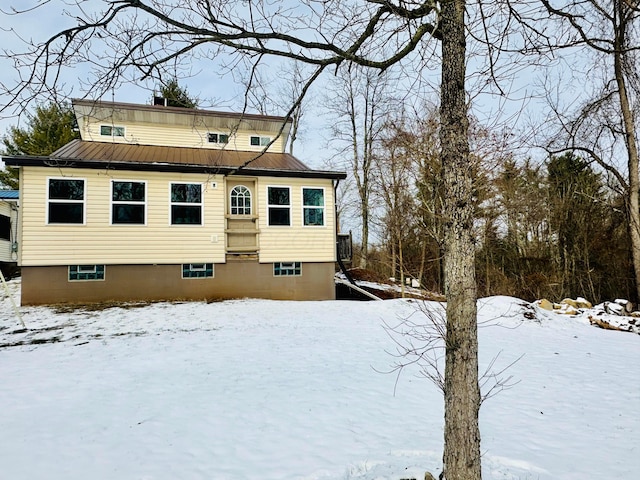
<point>567,306</point>
<point>616,315</point>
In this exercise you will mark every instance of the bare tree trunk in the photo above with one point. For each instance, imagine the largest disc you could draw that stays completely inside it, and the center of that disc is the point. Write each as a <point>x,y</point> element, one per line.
<point>393,259</point>
<point>364,212</point>
<point>401,258</point>
<point>632,149</point>
<point>423,260</point>
<point>461,455</point>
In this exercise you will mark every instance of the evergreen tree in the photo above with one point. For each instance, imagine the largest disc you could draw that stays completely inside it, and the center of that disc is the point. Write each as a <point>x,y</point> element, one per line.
<point>577,211</point>
<point>177,96</point>
<point>48,128</point>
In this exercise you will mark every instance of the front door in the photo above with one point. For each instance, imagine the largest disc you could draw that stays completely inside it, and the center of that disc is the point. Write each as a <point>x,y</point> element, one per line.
<point>241,231</point>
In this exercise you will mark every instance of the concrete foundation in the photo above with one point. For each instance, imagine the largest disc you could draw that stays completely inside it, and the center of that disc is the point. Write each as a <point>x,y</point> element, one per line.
<point>234,279</point>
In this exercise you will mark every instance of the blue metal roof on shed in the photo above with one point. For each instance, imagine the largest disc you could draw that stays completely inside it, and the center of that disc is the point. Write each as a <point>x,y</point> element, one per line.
<point>9,194</point>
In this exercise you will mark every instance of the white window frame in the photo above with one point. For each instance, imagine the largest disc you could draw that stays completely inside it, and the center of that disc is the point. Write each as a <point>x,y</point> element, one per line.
<point>93,269</point>
<point>323,207</point>
<point>218,140</point>
<point>231,207</point>
<point>288,267</point>
<point>262,141</point>
<point>83,201</point>
<point>187,204</point>
<point>127,202</point>
<point>195,267</point>
<point>280,206</point>
<point>113,131</point>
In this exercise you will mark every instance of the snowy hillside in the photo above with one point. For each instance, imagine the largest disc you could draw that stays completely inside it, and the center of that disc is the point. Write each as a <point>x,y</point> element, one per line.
<point>251,389</point>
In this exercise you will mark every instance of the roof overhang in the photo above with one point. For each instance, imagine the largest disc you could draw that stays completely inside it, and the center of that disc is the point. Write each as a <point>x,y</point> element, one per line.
<point>108,156</point>
<point>25,161</point>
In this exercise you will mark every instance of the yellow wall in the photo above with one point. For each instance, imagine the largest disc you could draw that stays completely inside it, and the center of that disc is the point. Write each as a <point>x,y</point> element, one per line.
<point>177,136</point>
<point>6,255</point>
<point>297,242</point>
<point>158,242</point>
<point>99,242</point>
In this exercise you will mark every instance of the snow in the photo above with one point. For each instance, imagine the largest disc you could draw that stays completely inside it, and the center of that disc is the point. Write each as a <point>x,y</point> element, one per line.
<point>264,389</point>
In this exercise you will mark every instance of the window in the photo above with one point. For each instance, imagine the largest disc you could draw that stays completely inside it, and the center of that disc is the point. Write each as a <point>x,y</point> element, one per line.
<point>186,204</point>
<point>128,202</point>
<point>65,201</point>
<point>279,205</point>
<point>240,200</point>
<point>260,141</point>
<point>218,138</point>
<point>197,270</point>
<point>287,269</point>
<point>111,131</point>
<point>5,227</point>
<point>313,206</point>
<point>86,272</point>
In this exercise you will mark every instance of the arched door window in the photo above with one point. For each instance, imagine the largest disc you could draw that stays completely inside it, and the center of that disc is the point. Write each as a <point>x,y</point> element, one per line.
<point>240,200</point>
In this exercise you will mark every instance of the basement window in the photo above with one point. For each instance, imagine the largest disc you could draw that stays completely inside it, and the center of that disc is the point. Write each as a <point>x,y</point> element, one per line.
<point>86,272</point>
<point>287,269</point>
<point>111,131</point>
<point>197,270</point>
<point>260,141</point>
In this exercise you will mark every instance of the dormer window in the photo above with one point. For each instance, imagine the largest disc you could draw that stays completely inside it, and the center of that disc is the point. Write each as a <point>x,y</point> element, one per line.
<point>220,138</point>
<point>111,131</point>
<point>260,141</point>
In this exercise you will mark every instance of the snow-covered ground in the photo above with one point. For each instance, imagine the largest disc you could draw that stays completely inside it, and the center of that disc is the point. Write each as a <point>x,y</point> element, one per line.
<point>251,389</point>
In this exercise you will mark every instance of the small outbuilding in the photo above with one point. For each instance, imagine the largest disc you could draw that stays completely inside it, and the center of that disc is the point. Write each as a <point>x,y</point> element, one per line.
<point>8,231</point>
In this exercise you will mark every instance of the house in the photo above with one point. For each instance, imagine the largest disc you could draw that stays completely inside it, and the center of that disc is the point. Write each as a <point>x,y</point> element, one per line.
<point>160,203</point>
<point>8,231</point>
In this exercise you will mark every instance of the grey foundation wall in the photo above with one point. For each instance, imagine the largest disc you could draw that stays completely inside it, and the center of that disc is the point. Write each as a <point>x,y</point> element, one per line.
<point>50,285</point>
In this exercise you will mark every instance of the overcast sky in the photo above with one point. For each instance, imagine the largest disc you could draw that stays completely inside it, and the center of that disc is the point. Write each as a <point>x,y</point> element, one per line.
<point>222,93</point>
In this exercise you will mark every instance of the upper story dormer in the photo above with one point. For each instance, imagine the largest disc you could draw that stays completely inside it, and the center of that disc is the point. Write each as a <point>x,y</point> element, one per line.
<point>161,125</point>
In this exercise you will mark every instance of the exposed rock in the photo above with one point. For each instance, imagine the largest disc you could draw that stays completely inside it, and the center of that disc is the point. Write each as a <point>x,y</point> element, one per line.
<point>569,301</point>
<point>583,303</point>
<point>568,309</point>
<point>545,304</point>
<point>428,476</point>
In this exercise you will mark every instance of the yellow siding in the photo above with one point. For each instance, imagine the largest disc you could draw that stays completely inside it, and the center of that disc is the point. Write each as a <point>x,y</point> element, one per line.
<point>297,242</point>
<point>5,208</point>
<point>6,255</point>
<point>158,242</point>
<point>99,242</point>
<point>177,136</point>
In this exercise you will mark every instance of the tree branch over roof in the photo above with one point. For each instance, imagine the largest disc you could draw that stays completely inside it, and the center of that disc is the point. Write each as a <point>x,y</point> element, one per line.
<point>148,34</point>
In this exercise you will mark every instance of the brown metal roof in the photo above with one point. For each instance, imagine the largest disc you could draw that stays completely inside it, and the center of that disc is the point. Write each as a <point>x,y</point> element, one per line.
<point>149,154</point>
<point>125,156</point>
